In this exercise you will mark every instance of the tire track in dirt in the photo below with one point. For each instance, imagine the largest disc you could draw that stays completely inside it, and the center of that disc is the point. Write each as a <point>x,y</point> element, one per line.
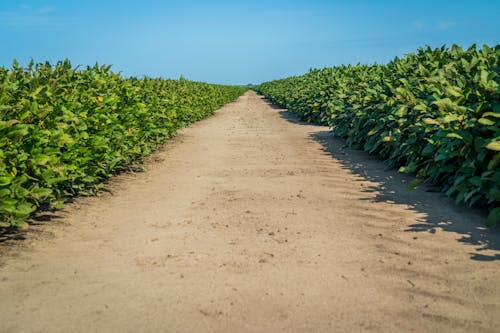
<point>251,221</point>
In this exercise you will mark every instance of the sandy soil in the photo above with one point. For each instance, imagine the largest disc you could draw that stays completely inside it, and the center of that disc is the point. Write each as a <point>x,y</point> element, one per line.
<point>251,221</point>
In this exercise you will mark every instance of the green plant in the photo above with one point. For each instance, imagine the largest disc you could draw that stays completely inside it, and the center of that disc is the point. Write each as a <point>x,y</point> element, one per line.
<point>435,113</point>
<point>64,130</point>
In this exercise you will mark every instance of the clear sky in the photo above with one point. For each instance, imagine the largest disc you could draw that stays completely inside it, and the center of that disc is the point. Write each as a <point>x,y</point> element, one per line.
<point>236,42</point>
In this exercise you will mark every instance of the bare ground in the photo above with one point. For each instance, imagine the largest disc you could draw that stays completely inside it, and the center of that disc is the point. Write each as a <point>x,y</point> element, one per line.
<point>251,221</point>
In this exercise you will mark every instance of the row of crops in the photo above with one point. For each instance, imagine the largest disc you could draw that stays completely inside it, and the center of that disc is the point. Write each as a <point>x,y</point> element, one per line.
<point>64,130</point>
<point>434,113</point>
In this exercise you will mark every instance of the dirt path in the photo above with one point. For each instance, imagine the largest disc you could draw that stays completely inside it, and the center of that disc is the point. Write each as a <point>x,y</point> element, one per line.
<point>245,222</point>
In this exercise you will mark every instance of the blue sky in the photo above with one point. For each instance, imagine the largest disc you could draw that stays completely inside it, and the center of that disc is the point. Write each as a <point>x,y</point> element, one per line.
<point>236,42</point>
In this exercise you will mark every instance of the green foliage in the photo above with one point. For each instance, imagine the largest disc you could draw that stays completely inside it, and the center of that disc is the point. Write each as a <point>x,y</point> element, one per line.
<point>64,130</point>
<point>435,113</point>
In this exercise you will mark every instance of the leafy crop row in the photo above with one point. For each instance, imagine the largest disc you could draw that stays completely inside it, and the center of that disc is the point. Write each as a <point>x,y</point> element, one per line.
<point>64,130</point>
<point>435,113</point>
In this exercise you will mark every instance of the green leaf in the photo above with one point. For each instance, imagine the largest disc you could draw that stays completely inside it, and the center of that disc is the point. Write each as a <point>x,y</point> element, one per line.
<point>484,77</point>
<point>430,121</point>
<point>34,107</point>
<point>492,114</point>
<point>41,193</point>
<point>486,121</point>
<point>415,183</point>
<point>8,206</point>
<point>402,111</point>
<point>444,104</point>
<point>4,192</point>
<point>454,135</point>
<point>454,91</point>
<point>6,180</point>
<point>494,145</point>
<point>493,217</point>
<point>420,107</point>
<point>449,118</point>
<point>18,133</point>
<point>58,204</point>
<point>41,159</point>
<point>20,192</point>
<point>476,181</point>
<point>23,210</point>
<point>64,139</point>
<point>412,167</point>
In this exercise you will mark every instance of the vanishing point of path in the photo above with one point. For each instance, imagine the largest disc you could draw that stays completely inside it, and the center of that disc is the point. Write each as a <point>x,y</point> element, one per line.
<point>250,221</point>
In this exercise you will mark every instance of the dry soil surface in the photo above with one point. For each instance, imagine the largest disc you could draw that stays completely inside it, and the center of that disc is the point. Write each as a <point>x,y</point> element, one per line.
<point>251,221</point>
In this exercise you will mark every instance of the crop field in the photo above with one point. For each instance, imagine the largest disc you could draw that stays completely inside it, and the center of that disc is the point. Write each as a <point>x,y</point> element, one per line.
<point>64,130</point>
<point>356,198</point>
<point>435,114</point>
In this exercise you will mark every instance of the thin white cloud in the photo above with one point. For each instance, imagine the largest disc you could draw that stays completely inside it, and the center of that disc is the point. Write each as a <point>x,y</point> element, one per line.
<point>44,10</point>
<point>439,25</point>
<point>419,24</point>
<point>27,16</point>
<point>445,25</point>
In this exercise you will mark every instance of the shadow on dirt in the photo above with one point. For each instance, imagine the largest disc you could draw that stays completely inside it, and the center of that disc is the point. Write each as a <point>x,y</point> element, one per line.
<point>287,115</point>
<point>40,218</point>
<point>44,215</point>
<point>439,210</point>
<point>11,234</point>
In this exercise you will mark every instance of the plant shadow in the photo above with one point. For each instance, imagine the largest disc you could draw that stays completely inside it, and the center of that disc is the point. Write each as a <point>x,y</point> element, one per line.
<point>287,115</point>
<point>38,219</point>
<point>440,211</point>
